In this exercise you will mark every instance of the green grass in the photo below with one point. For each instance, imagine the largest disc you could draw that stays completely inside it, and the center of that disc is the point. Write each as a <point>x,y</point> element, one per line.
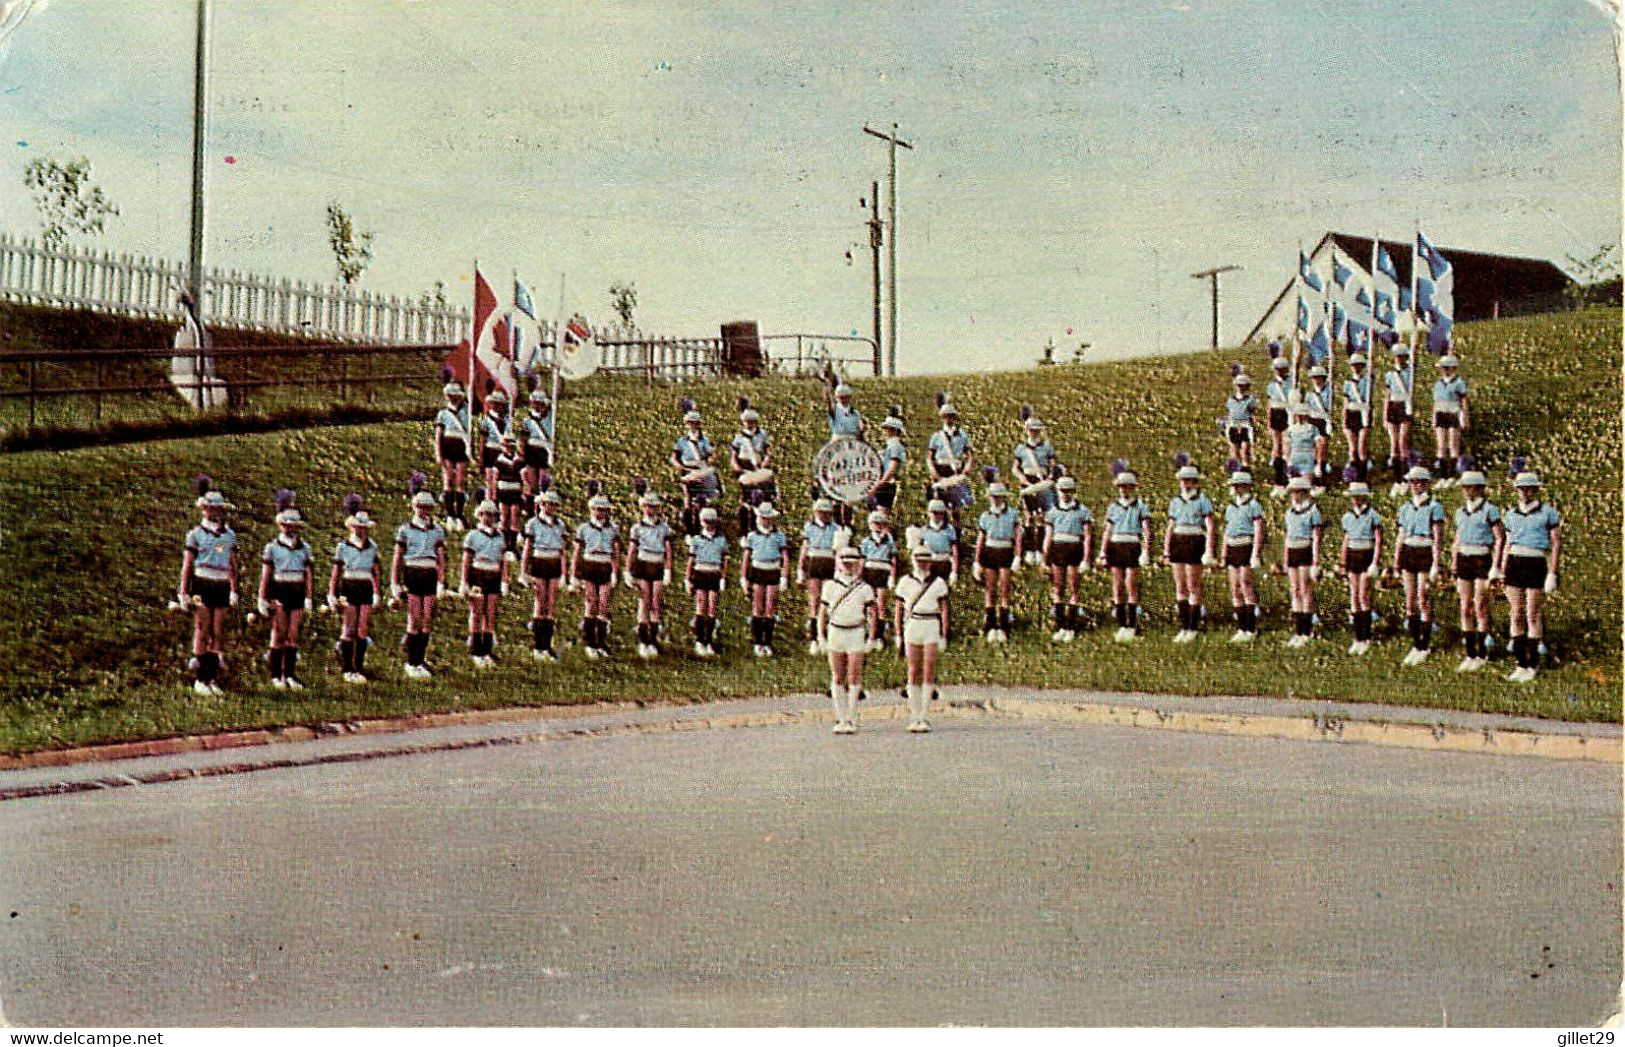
<point>91,549</point>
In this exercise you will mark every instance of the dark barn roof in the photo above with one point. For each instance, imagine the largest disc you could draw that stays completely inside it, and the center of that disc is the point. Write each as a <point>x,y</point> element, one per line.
<point>1483,281</point>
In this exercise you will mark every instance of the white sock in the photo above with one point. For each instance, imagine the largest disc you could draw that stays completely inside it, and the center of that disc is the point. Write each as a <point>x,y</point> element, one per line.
<point>837,699</point>
<point>916,694</point>
<point>852,703</point>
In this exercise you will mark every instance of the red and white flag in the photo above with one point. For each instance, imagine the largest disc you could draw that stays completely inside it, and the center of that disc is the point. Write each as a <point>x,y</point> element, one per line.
<point>578,356</point>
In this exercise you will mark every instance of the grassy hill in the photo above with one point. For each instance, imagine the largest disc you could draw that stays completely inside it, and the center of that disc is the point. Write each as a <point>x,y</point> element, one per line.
<point>91,541</point>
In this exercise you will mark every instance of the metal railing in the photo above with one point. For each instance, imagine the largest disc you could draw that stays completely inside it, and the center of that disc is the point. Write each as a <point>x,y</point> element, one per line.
<point>802,355</point>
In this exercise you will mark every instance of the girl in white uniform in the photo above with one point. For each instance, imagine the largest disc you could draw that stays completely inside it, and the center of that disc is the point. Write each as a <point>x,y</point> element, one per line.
<point>922,625</point>
<point>845,605</point>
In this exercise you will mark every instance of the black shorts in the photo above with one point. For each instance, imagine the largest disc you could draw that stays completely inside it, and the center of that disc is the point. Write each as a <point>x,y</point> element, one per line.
<point>1397,414</point>
<point>510,496</point>
<point>1122,554</point>
<point>489,583</point>
<point>1417,559</point>
<point>997,558</point>
<point>1238,555</point>
<point>1322,425</point>
<point>1278,419</point>
<point>488,457</point>
<point>1187,548</point>
<point>941,569</point>
<point>1359,561</point>
<point>707,581</point>
<point>598,572</point>
<point>1240,434</point>
<point>1526,572</point>
<point>1473,568</point>
<point>886,496</point>
<point>878,578</point>
<point>291,595</point>
<point>820,568</point>
<point>1300,556</point>
<point>1446,420</point>
<point>545,568</point>
<point>421,581</point>
<point>453,450</point>
<point>1353,421</point>
<point>762,575</point>
<point>215,594</point>
<point>357,592</point>
<point>647,570</point>
<point>537,457</point>
<point>1064,554</point>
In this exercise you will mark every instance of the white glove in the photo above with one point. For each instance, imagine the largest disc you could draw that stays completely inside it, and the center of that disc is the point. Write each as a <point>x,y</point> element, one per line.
<point>332,602</point>
<point>440,590</point>
<point>395,592</point>
<point>1551,582</point>
<point>722,583</point>
<point>1433,573</point>
<point>1209,560</point>
<point>953,579</point>
<point>181,600</point>
<point>232,600</point>
<point>1255,563</point>
<point>1314,573</point>
<point>665,578</point>
<point>572,585</point>
<point>976,572</point>
<point>801,576</point>
<point>524,579</point>
<point>1145,558</point>
<point>310,604</point>
<point>1084,567</point>
<point>462,590</point>
<point>688,586</point>
<point>942,643</point>
<point>263,607</point>
<point>784,581</point>
<point>626,579</point>
<point>1495,574</point>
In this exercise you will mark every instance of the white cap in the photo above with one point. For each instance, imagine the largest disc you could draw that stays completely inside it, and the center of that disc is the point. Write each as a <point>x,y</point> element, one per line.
<point>650,499</point>
<point>922,552</point>
<point>214,500</point>
<point>692,416</point>
<point>292,517</point>
<point>1402,349</point>
<point>550,497</point>
<point>1241,478</point>
<point>1188,472</point>
<point>1317,371</point>
<point>1529,479</point>
<point>1066,483</point>
<point>1418,473</point>
<point>598,501</point>
<point>421,498</point>
<point>497,397</point>
<point>936,505</point>
<point>1125,479</point>
<point>708,514</point>
<point>1357,360</point>
<point>1280,362</point>
<point>850,552</point>
<point>1033,424</point>
<point>1242,379</point>
<point>749,414</point>
<point>892,422</point>
<point>765,511</point>
<point>485,507</point>
<point>1473,478</point>
<point>538,397</point>
<point>451,389</point>
<point>998,490</point>
<point>1299,483</point>
<point>1449,360</point>
<point>823,505</point>
<point>843,390</point>
<point>879,516</point>
<point>948,409</point>
<point>1358,489</point>
<point>360,519</point>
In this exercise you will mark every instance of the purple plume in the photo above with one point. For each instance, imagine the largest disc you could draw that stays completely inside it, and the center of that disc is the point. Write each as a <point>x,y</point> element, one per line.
<point>1465,463</point>
<point>446,373</point>
<point>896,410</point>
<point>1056,470</point>
<point>1293,471</point>
<point>685,405</point>
<point>814,491</point>
<point>283,499</point>
<point>990,473</point>
<point>202,484</point>
<point>1416,458</point>
<point>544,482</point>
<point>640,486</point>
<point>744,403</point>
<point>942,398</point>
<point>1519,464</point>
<point>595,487</point>
<point>1182,459</point>
<point>352,504</point>
<point>870,502</point>
<point>1119,465</point>
<point>1026,411</point>
<point>415,483</point>
<point>1351,473</point>
<point>1232,465</point>
<point>1235,369</point>
<point>1274,349</point>
<point>479,495</point>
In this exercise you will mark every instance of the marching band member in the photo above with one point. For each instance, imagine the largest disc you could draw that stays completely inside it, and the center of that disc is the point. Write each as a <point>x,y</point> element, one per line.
<point>1416,558</point>
<point>1357,417</point>
<point>845,607</point>
<point>705,578</point>
<point>453,440</point>
<point>595,559</point>
<point>538,443</point>
<point>1317,402</point>
<point>1302,524</point>
<point>1304,443</point>
<point>1034,469</point>
<point>762,574</point>
<point>1068,530</point>
<point>285,590</point>
<point>208,583</point>
<point>1239,409</point>
<point>1534,537</point>
<point>750,456</point>
<point>879,550</point>
<point>495,423</point>
<point>942,537</point>
<point>352,589</point>
<point>694,461</point>
<point>998,548</point>
<point>949,453</point>
<point>893,455</point>
<point>815,564</point>
<point>1125,549</point>
<point>1475,552</point>
<point>509,470</point>
<point>844,419</point>
<point>1188,543</point>
<point>1244,528</point>
<point>1449,417</point>
<point>1396,415</point>
<point>483,581</point>
<point>1362,550</point>
<point>1278,394</point>
<point>648,571</point>
<point>419,570</point>
<point>922,629</point>
<point>543,560</point>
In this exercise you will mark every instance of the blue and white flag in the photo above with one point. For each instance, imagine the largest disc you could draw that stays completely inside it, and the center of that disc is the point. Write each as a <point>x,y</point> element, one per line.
<point>1320,346</point>
<point>1435,293</point>
<point>1385,287</point>
<point>1306,273</point>
<point>1303,317</point>
<point>522,300</point>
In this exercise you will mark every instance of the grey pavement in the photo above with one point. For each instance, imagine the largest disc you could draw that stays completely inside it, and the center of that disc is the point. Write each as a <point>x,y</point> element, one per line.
<point>992,872</point>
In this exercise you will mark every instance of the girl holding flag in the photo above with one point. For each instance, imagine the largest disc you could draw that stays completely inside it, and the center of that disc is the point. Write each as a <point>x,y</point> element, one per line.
<point>706,577</point>
<point>1534,537</point>
<point>538,443</point>
<point>543,565</point>
<point>1474,554</point>
<point>595,560</point>
<point>208,584</point>
<point>453,441</point>
<point>286,585</point>
<point>1279,396</point>
<point>1188,543</point>
<point>352,590</point>
<point>509,470</point>
<point>495,423</point>
<point>1317,403</point>
<point>1302,524</point>
<point>1416,558</point>
<point>1396,415</point>
<point>483,581</point>
<point>1357,417</point>
<point>1068,530</point>
<point>1449,417</point>
<point>1125,549</point>
<point>418,570</point>
<point>1362,550</point>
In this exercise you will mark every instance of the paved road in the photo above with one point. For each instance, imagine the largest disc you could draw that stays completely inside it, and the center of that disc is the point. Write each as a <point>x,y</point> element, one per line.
<point>992,872</point>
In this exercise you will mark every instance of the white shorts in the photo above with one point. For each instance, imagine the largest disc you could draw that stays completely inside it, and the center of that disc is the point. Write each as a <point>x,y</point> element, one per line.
<point>846,639</point>
<point>922,632</point>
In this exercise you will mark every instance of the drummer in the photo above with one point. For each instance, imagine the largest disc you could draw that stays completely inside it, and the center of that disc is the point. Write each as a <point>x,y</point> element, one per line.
<point>952,460</point>
<point>893,455</point>
<point>693,459</point>
<point>1035,465</point>
<point>750,456</point>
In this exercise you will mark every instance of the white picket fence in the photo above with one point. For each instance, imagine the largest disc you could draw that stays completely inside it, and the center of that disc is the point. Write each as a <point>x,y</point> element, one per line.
<point>127,285</point>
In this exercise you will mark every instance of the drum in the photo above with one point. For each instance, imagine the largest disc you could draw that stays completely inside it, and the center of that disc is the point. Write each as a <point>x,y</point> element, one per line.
<point>1033,490</point>
<point>703,474</point>
<point>755,477</point>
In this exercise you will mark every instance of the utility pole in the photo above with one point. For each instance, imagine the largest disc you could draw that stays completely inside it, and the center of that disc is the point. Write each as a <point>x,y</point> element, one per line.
<point>1212,276</point>
<point>875,237</point>
<point>194,271</point>
<point>891,240</point>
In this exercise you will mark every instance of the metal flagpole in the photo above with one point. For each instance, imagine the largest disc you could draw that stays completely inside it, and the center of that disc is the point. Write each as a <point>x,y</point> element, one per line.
<point>474,399</point>
<point>1416,319</point>
<point>558,360</point>
<point>1297,339</point>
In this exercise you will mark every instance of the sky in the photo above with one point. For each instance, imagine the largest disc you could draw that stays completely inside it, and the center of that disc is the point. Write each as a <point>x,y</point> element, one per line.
<point>1073,163</point>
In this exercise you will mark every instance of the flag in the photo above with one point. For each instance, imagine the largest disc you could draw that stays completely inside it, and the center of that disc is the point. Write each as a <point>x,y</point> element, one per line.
<point>1359,335</point>
<point>1320,346</point>
<point>1306,273</point>
<point>578,354</point>
<point>522,300</point>
<point>492,353</point>
<point>1435,294</point>
<point>1339,322</point>
<point>1303,317</point>
<point>1383,312</point>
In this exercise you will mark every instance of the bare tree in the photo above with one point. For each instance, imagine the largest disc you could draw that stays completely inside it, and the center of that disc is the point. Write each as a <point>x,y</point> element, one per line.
<point>623,299</point>
<point>67,201</point>
<point>352,250</point>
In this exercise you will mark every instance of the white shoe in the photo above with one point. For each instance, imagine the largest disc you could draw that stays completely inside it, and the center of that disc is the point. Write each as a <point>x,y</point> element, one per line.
<point>295,685</point>
<point>699,649</point>
<point>919,727</point>
<point>710,651</point>
<point>849,728</point>
<point>1516,675</point>
<point>280,684</point>
<point>645,652</point>
<point>1466,665</point>
<point>537,656</point>
<point>1354,649</point>
<point>591,653</point>
<point>1058,636</point>
<point>761,651</point>
<point>202,688</point>
<point>1241,636</point>
<point>215,688</point>
<point>812,647</point>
